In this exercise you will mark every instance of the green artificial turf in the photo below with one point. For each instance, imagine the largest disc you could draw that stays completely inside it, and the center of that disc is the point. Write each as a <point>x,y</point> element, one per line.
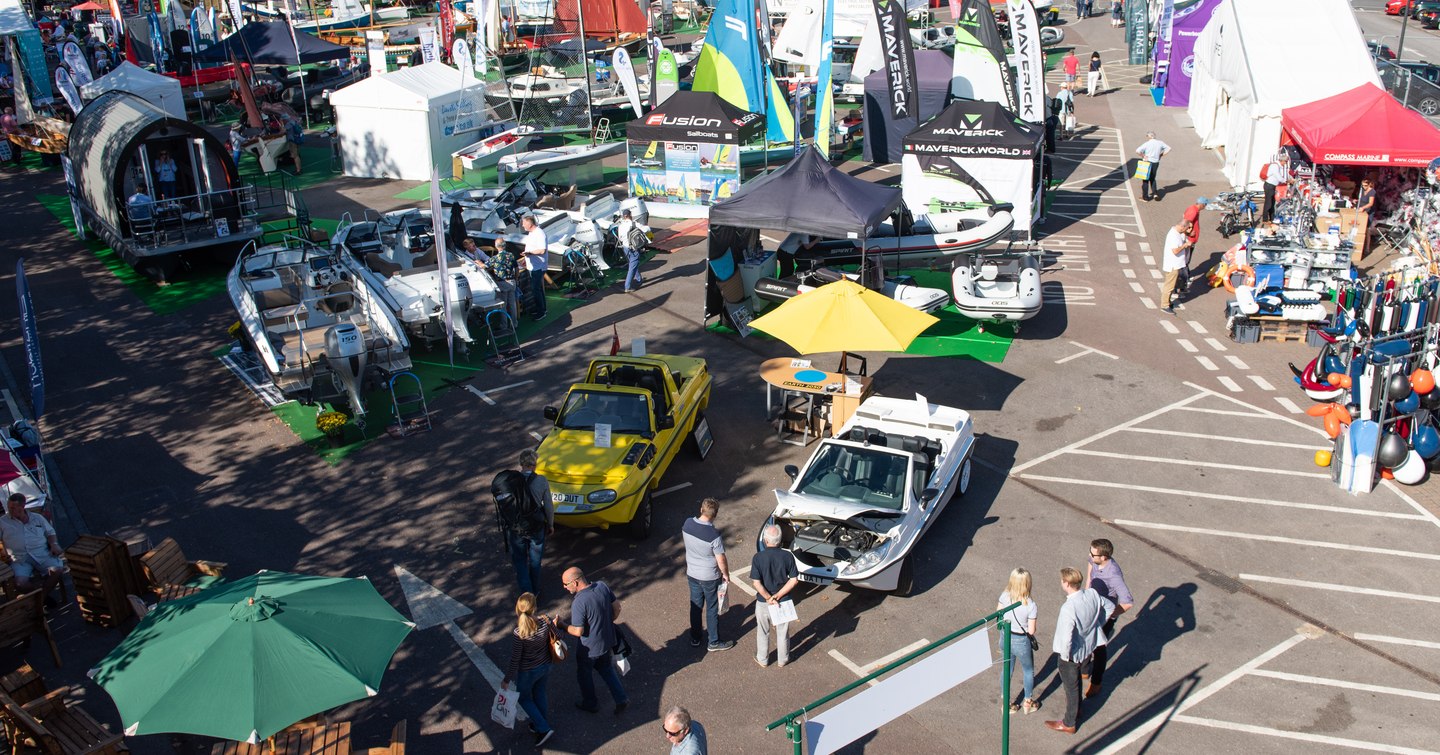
<point>314,159</point>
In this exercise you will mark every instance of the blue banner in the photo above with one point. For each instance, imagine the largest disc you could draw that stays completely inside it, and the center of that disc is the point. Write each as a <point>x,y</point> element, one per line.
<point>1137,32</point>
<point>31,336</point>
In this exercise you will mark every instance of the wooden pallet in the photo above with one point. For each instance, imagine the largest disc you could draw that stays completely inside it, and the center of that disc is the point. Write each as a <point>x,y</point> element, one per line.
<point>1279,329</point>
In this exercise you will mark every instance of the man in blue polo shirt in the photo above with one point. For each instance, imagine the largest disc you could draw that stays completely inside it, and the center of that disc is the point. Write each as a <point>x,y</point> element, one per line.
<point>706,570</point>
<point>593,612</point>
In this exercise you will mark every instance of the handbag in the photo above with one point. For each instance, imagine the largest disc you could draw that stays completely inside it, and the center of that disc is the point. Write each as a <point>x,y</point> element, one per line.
<point>557,646</point>
<point>1142,169</point>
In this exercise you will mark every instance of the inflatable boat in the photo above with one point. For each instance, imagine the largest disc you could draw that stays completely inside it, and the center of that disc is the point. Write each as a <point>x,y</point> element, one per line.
<point>900,288</point>
<point>928,237</point>
<point>998,287</point>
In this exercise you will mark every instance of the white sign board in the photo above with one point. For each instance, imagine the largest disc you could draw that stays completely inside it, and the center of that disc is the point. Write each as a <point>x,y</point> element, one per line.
<point>603,435</point>
<point>901,693</point>
<point>375,47</point>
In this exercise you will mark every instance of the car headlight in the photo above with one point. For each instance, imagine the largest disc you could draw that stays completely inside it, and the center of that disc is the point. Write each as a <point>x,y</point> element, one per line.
<point>868,560</point>
<point>602,496</point>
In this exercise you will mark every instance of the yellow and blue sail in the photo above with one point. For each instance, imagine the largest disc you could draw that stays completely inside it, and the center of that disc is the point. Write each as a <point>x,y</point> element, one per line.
<point>825,103</point>
<point>730,66</point>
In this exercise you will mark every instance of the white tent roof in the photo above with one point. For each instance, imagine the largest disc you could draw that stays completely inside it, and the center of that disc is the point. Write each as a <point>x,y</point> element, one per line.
<point>1275,54</point>
<point>13,19</point>
<point>161,91</point>
<point>406,89</point>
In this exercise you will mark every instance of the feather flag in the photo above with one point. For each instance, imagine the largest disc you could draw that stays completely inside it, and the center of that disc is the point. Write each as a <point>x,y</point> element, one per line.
<point>625,71</point>
<point>824,88</point>
<point>441,256</point>
<point>1025,38</point>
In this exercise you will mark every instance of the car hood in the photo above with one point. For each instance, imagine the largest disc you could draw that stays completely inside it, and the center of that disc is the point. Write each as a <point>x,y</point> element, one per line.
<point>788,504</point>
<point>569,457</point>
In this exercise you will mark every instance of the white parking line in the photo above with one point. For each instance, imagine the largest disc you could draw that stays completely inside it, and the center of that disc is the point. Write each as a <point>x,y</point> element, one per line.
<point>1161,719</point>
<point>481,394</point>
<point>1250,441</point>
<point>670,489</point>
<point>1362,636</point>
<point>1223,497</point>
<point>536,436</point>
<point>1229,383</point>
<point>1234,360</point>
<point>1261,382</point>
<point>1186,345</point>
<point>737,579</point>
<point>1120,246</point>
<point>1279,539</point>
<point>1215,343</point>
<point>1123,259</point>
<point>1225,412</point>
<point>1147,302</point>
<point>1345,684</point>
<point>1206,363</point>
<point>1205,464</point>
<point>1358,744</point>
<point>1169,327</point>
<point>1149,261</point>
<point>512,385</point>
<point>1155,274</point>
<point>1128,273</point>
<point>1102,434</point>
<point>869,668</point>
<point>1084,350</point>
<point>1195,324</point>
<point>1289,405</point>
<point>1332,587</point>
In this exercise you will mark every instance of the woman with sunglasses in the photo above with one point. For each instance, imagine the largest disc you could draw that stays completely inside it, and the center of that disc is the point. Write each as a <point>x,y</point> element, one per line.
<point>686,737</point>
<point>530,665</point>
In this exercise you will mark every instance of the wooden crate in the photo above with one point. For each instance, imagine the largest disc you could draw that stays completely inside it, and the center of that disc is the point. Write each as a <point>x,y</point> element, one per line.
<point>98,568</point>
<point>1279,329</point>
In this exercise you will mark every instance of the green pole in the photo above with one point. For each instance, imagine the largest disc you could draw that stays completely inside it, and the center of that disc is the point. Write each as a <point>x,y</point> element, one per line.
<point>1003,627</point>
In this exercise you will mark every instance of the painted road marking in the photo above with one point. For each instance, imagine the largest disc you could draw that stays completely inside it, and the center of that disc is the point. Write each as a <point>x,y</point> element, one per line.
<point>1346,684</point>
<point>512,385</point>
<point>1103,434</point>
<point>1280,539</point>
<point>1332,587</point>
<point>670,489</point>
<point>536,436</point>
<point>1085,350</point>
<point>1358,744</point>
<point>1149,261</point>
<point>1147,302</point>
<point>1261,382</point>
<point>1136,287</point>
<point>1223,497</point>
<point>481,394</point>
<point>1203,464</point>
<point>1156,274</point>
<point>1289,405</point>
<point>1235,361</point>
<point>1230,384</point>
<point>1215,343</point>
<point>1197,327</point>
<point>738,579</point>
<point>1169,327</point>
<point>1225,412</point>
<point>1249,441</point>
<point>1128,273</point>
<point>1161,719</point>
<point>1186,345</point>
<point>1206,363</point>
<point>1123,259</point>
<point>1362,636</point>
<point>1120,246</point>
<point>870,668</point>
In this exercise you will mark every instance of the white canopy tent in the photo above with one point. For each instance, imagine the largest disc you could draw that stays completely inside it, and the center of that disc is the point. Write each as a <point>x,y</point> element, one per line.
<point>161,91</point>
<point>404,124</point>
<point>1258,57</point>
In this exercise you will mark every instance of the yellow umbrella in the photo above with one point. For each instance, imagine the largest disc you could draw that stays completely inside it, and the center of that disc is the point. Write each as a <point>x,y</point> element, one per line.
<point>844,316</point>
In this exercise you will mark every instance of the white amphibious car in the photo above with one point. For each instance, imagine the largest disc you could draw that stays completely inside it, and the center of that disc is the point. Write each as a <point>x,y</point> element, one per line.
<point>868,495</point>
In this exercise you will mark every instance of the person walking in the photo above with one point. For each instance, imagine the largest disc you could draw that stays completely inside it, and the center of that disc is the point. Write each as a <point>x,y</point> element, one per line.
<point>1103,575</point>
<point>706,570</point>
<point>686,735</point>
<point>1092,78</point>
<point>1364,212</point>
<point>1077,634</point>
<point>623,230</point>
<point>165,175</point>
<point>1117,13</point>
<point>1022,631</point>
<point>1064,106</point>
<point>1173,260</point>
<point>1275,174</point>
<point>529,666</point>
<point>1071,65</point>
<point>525,539</point>
<point>1151,151</point>
<point>237,143</point>
<point>593,612</point>
<point>536,264</point>
<point>774,575</point>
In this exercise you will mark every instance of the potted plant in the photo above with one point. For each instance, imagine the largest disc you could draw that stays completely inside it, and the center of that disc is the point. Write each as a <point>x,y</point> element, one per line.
<point>332,424</point>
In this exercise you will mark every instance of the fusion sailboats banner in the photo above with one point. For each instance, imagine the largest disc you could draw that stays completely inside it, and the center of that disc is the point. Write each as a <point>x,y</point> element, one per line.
<point>981,70</point>
<point>730,65</point>
<point>1030,61</point>
<point>899,56</point>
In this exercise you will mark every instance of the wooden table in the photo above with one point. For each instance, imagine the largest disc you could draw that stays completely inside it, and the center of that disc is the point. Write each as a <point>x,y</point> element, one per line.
<point>798,376</point>
<point>333,739</point>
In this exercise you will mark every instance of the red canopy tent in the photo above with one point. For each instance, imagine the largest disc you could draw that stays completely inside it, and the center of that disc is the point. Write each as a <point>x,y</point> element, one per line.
<point>1362,126</point>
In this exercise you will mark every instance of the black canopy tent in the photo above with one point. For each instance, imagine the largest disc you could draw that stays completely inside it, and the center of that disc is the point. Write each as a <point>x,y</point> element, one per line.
<point>690,116</point>
<point>806,195</point>
<point>885,133</point>
<point>269,43</point>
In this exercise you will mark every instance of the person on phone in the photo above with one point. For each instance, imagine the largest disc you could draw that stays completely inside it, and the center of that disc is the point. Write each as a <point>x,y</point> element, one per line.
<point>1022,630</point>
<point>773,574</point>
<point>529,666</point>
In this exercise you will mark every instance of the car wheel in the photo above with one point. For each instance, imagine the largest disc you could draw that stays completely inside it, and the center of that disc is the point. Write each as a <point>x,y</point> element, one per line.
<point>905,585</point>
<point>639,527</point>
<point>1429,106</point>
<point>964,483</point>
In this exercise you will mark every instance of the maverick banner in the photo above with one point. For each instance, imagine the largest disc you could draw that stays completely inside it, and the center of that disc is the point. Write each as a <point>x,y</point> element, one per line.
<point>981,71</point>
<point>1030,61</point>
<point>899,57</point>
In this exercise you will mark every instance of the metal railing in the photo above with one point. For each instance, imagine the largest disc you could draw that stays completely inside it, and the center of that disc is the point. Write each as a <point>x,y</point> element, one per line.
<point>183,220</point>
<point>1413,91</point>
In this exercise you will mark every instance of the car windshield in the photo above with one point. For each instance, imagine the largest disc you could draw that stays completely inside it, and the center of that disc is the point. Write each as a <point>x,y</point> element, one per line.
<point>623,412</point>
<point>872,476</point>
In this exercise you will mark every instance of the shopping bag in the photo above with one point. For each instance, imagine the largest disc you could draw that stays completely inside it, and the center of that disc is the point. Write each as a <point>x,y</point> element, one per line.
<point>722,597</point>
<point>1070,122</point>
<point>1104,81</point>
<point>1142,170</point>
<point>502,711</point>
<point>621,651</point>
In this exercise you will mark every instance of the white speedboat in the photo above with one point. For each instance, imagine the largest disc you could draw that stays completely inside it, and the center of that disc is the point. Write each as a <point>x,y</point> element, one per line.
<point>397,253</point>
<point>320,328</point>
<point>488,151</point>
<point>927,237</point>
<point>998,287</point>
<point>559,157</point>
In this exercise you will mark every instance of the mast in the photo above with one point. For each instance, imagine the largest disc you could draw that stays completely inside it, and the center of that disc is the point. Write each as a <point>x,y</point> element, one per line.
<point>585,61</point>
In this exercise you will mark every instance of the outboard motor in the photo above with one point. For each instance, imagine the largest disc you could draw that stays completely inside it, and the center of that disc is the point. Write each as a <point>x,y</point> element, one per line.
<point>461,301</point>
<point>345,352</point>
<point>638,211</point>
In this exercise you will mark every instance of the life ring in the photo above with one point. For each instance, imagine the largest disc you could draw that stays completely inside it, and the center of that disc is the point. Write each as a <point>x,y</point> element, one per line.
<point>1249,277</point>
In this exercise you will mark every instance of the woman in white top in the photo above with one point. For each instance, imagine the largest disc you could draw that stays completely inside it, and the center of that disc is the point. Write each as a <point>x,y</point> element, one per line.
<point>1022,627</point>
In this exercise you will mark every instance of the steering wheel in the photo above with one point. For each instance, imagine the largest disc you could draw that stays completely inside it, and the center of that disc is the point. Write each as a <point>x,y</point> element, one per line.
<point>324,277</point>
<point>581,418</point>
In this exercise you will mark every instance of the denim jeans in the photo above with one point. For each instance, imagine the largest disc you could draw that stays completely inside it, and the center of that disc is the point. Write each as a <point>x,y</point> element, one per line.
<point>537,293</point>
<point>632,271</point>
<point>704,595</point>
<point>525,553</point>
<point>605,666</point>
<point>533,699</point>
<point>1020,651</point>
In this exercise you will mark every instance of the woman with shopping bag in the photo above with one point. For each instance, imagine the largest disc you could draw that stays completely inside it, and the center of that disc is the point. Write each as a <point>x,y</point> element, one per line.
<point>530,656</point>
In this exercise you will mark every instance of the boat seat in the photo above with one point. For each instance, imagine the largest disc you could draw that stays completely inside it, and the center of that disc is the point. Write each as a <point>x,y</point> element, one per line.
<point>823,275</point>
<point>377,262</point>
<point>339,299</point>
<point>431,257</point>
<point>562,201</point>
<point>989,271</point>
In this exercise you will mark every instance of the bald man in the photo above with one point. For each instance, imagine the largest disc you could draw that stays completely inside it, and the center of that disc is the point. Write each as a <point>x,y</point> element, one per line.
<point>593,611</point>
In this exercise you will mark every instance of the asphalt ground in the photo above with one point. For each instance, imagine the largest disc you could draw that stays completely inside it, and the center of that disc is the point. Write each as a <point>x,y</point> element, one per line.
<point>1266,616</point>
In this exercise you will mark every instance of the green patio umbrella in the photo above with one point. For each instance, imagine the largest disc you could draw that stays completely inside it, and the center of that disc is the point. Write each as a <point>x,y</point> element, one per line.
<point>248,658</point>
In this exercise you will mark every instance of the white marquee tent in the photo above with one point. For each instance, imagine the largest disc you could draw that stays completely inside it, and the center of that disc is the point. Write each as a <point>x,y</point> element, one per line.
<point>1258,57</point>
<point>161,91</point>
<point>403,124</point>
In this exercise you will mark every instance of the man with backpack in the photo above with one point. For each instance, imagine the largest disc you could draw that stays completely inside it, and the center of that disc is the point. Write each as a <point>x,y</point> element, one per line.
<point>634,237</point>
<point>526,516</point>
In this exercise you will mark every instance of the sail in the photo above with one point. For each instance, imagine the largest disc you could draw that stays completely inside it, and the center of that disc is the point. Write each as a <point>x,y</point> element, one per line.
<point>730,66</point>
<point>981,69</point>
<point>603,18</point>
<point>553,95</point>
<point>797,40</point>
<point>825,104</point>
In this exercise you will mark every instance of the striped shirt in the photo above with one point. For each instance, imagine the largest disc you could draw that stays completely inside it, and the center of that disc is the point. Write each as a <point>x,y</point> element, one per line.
<point>702,544</point>
<point>529,653</point>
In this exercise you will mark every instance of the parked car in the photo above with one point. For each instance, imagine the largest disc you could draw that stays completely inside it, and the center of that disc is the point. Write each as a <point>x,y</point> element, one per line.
<point>1396,7</point>
<point>1428,14</point>
<point>1382,52</point>
<point>1416,83</point>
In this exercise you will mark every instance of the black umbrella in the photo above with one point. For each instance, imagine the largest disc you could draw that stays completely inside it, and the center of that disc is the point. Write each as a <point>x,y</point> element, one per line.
<point>269,42</point>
